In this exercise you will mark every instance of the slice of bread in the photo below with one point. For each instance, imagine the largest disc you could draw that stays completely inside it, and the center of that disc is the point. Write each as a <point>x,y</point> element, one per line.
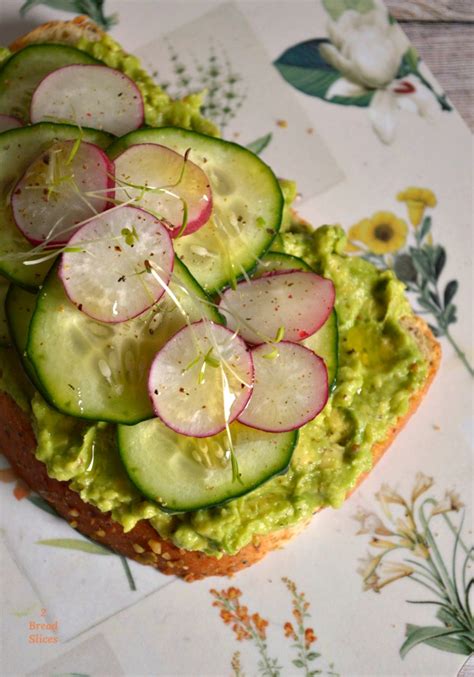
<point>143,543</point>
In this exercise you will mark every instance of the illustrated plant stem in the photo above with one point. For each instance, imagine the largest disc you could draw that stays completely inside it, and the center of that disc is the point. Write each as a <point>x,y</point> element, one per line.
<point>437,562</point>
<point>459,352</point>
<point>441,99</point>
<point>468,551</point>
<point>128,573</point>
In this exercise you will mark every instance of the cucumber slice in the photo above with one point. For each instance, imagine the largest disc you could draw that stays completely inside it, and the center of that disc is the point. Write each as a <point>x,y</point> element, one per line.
<point>19,308</point>
<point>247,204</point>
<point>22,73</point>
<point>4,334</point>
<point>183,474</point>
<point>18,149</point>
<point>278,261</point>
<point>99,371</point>
<point>325,341</point>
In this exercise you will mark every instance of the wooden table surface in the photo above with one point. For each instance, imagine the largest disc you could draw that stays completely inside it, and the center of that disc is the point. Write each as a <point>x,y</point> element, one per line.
<point>443,33</point>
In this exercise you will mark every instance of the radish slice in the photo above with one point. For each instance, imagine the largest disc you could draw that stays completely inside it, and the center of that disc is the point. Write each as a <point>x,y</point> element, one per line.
<point>295,304</point>
<point>117,265</point>
<point>65,185</point>
<point>9,122</point>
<point>89,96</point>
<point>290,388</point>
<point>201,379</point>
<point>184,183</point>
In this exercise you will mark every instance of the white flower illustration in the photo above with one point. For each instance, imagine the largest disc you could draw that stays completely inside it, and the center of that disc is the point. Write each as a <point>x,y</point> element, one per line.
<point>367,49</point>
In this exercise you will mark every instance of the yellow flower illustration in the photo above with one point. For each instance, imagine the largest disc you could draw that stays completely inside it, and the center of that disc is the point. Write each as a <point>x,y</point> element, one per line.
<point>417,199</point>
<point>382,233</point>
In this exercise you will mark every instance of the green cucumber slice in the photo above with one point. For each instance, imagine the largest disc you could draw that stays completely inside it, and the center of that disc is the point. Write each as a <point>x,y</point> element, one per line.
<point>325,341</point>
<point>4,333</point>
<point>99,371</point>
<point>19,308</point>
<point>272,261</point>
<point>24,70</point>
<point>183,474</point>
<point>18,148</point>
<point>247,205</point>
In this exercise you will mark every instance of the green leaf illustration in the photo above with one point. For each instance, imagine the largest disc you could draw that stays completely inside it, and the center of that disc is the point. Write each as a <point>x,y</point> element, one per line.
<point>76,544</point>
<point>337,7</point>
<point>424,230</point>
<point>450,291</point>
<point>92,8</point>
<point>409,63</point>
<point>303,67</point>
<point>433,636</point>
<point>439,260</point>
<point>260,144</point>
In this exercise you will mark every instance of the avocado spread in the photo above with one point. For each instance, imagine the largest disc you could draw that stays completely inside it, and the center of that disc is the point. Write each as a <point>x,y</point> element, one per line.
<point>380,367</point>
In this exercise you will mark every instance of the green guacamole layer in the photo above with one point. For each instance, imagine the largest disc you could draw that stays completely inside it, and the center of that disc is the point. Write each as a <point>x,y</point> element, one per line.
<point>380,366</point>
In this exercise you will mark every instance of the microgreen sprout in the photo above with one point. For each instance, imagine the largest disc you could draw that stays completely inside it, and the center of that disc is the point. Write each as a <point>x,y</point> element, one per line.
<point>279,335</point>
<point>130,236</point>
<point>75,148</point>
<point>272,355</point>
<point>210,359</point>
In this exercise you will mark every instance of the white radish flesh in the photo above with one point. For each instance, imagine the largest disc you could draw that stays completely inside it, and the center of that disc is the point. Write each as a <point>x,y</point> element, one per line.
<point>201,380</point>
<point>167,184</point>
<point>67,184</point>
<point>290,387</point>
<point>118,265</point>
<point>89,96</point>
<point>9,122</point>
<point>290,305</point>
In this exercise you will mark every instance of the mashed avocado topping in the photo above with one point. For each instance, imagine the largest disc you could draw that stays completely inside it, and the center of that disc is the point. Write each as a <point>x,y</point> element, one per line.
<point>160,109</point>
<point>380,367</point>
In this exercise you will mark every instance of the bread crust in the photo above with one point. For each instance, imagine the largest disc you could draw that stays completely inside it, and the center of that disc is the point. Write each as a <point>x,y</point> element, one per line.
<point>143,544</point>
<point>61,33</point>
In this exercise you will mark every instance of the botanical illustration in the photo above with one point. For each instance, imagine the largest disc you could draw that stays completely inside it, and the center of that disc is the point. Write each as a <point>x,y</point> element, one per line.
<point>406,544</point>
<point>252,627</point>
<point>225,92</point>
<point>367,61</point>
<point>22,491</point>
<point>92,8</point>
<point>388,241</point>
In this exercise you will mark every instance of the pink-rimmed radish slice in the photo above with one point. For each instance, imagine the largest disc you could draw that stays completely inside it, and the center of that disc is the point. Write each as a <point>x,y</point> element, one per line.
<point>201,379</point>
<point>290,387</point>
<point>118,264</point>
<point>168,182</point>
<point>89,96</point>
<point>291,305</point>
<point>9,122</point>
<point>68,183</point>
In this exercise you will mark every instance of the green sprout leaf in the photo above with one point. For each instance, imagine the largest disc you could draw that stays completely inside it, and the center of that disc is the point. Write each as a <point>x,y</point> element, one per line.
<point>130,236</point>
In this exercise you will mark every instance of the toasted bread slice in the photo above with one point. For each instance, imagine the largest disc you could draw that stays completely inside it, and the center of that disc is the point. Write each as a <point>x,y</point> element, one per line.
<point>143,543</point>
<point>61,33</point>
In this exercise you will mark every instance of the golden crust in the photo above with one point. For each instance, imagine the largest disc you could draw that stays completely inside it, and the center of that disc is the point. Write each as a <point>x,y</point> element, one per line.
<point>142,543</point>
<point>61,32</point>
